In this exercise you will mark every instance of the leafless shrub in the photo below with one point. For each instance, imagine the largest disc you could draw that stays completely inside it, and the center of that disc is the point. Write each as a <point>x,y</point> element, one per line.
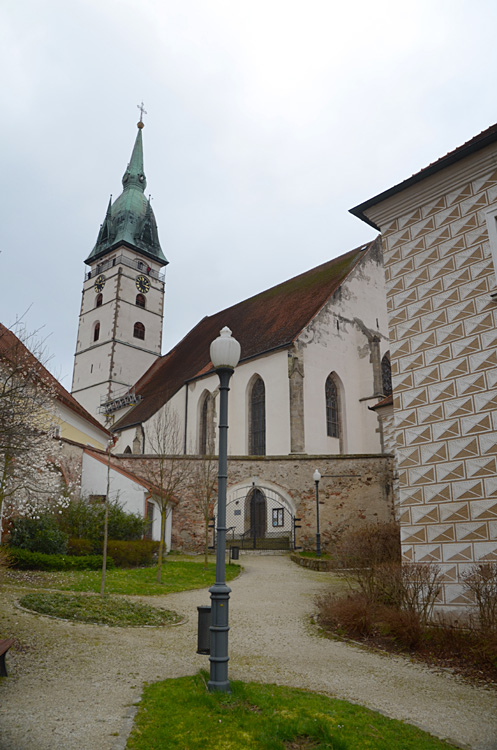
<point>481,580</point>
<point>353,614</point>
<point>372,544</point>
<point>403,625</point>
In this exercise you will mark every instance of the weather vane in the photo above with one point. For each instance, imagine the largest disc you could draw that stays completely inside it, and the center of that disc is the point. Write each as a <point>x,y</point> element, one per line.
<point>143,111</point>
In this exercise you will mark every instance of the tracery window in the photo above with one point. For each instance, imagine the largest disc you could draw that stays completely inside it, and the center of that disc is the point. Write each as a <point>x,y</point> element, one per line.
<point>139,331</point>
<point>140,300</point>
<point>257,430</point>
<point>386,375</point>
<point>332,408</point>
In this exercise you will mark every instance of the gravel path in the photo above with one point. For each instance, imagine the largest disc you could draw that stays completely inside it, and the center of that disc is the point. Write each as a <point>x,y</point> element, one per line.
<point>75,686</point>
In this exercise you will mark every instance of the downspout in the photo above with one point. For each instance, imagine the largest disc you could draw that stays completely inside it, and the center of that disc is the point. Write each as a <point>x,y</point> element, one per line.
<point>186,417</point>
<point>143,438</point>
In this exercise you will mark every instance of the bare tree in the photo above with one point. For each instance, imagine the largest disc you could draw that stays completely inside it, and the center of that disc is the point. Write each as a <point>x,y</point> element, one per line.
<point>203,485</point>
<point>169,472</point>
<point>29,478</point>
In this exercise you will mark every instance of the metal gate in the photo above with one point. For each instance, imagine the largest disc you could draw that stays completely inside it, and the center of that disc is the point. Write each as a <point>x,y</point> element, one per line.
<point>259,519</point>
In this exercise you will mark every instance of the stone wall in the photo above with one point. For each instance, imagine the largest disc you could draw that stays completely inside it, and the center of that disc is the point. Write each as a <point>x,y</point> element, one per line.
<point>353,489</point>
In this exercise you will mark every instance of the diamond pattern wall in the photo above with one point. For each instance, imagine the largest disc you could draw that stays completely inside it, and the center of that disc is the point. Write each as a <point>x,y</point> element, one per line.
<point>443,332</point>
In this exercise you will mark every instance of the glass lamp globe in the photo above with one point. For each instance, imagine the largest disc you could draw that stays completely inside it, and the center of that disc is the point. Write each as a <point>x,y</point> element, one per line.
<point>225,350</point>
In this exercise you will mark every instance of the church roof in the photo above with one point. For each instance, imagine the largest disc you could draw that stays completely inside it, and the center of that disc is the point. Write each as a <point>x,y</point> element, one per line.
<point>482,140</point>
<point>14,351</point>
<point>130,219</point>
<point>264,323</point>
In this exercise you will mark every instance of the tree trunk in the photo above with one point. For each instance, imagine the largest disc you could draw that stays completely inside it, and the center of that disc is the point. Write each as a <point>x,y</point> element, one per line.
<point>162,543</point>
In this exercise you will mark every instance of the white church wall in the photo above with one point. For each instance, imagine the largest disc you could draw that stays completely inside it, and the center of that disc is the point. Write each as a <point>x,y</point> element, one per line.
<point>335,342</point>
<point>78,429</point>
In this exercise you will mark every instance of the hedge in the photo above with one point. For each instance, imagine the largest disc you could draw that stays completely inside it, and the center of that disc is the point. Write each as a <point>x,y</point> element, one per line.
<point>22,559</point>
<point>141,553</point>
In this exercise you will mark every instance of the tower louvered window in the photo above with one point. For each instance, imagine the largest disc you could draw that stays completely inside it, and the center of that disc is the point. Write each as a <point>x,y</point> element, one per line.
<point>139,331</point>
<point>258,419</point>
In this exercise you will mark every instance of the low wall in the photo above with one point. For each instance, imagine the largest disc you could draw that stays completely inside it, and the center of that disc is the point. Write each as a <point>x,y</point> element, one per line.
<point>352,490</point>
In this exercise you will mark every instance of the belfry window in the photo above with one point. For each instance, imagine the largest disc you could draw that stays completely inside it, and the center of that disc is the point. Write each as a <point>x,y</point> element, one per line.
<point>139,331</point>
<point>99,300</point>
<point>257,428</point>
<point>96,331</point>
<point>332,408</point>
<point>140,300</point>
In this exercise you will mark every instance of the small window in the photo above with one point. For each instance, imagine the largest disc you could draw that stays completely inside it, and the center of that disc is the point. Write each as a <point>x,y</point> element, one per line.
<point>127,449</point>
<point>96,331</point>
<point>99,300</point>
<point>140,300</point>
<point>139,331</point>
<point>278,517</point>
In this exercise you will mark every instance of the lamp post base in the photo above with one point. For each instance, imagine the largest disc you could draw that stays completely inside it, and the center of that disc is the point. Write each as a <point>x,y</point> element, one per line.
<point>220,594</point>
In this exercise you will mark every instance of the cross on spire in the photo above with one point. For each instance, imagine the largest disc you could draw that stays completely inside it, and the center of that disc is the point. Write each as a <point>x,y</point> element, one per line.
<point>143,111</point>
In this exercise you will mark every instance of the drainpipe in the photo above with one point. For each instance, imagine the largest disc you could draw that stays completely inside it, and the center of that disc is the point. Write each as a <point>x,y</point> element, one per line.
<point>186,417</point>
<point>143,438</point>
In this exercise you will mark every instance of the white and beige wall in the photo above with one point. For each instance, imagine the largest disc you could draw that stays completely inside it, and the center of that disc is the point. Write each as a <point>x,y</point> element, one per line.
<point>443,333</point>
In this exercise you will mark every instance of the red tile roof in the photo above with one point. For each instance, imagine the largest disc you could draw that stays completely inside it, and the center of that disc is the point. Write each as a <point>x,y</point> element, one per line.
<point>116,466</point>
<point>482,140</point>
<point>11,347</point>
<point>271,320</point>
<point>386,401</point>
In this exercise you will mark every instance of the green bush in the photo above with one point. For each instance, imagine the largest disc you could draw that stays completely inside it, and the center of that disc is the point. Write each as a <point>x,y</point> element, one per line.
<point>132,554</point>
<point>85,520</point>
<point>38,535</point>
<point>79,547</point>
<point>22,559</point>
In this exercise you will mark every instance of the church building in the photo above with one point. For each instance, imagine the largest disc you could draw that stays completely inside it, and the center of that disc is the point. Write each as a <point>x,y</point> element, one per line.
<point>314,358</point>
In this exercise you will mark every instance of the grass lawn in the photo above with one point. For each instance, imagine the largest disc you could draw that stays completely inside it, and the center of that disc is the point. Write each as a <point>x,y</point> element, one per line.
<point>178,575</point>
<point>181,714</point>
<point>93,609</point>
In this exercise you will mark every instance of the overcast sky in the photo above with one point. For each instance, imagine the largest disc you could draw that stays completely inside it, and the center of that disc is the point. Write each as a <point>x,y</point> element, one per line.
<point>267,120</point>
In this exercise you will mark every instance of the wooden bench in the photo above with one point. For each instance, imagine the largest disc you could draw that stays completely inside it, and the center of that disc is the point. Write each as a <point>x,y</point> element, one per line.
<point>4,647</point>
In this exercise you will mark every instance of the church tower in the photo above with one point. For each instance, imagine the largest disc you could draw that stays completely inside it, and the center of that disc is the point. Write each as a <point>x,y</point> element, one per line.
<point>120,324</point>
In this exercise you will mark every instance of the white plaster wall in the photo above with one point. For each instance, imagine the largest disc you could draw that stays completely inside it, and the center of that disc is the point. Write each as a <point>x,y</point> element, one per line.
<point>273,369</point>
<point>334,342</point>
<point>130,494</point>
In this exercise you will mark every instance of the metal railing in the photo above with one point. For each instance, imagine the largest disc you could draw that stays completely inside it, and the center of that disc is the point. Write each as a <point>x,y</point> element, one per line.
<point>138,265</point>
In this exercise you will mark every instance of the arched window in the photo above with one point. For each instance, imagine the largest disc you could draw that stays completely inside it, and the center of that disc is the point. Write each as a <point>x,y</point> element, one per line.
<point>96,331</point>
<point>139,331</point>
<point>386,375</point>
<point>127,449</point>
<point>204,426</point>
<point>257,428</point>
<point>332,408</point>
<point>140,300</point>
<point>99,300</point>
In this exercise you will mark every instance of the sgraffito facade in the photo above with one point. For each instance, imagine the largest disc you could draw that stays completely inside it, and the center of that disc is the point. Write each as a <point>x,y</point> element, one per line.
<point>441,283</point>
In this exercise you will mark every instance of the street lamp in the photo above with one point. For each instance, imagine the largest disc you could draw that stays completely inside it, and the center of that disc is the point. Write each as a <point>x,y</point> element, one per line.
<point>225,353</point>
<point>317,476</point>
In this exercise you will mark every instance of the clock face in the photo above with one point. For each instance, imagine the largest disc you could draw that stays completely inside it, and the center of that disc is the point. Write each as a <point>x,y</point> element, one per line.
<point>100,283</point>
<point>142,284</point>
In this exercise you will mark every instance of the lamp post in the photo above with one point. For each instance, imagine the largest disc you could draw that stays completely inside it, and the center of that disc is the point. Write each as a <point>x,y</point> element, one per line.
<point>225,353</point>
<point>317,476</point>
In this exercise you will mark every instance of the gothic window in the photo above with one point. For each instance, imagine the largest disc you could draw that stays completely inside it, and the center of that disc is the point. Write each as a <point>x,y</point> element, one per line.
<point>99,300</point>
<point>257,430</point>
<point>386,375</point>
<point>204,426</point>
<point>96,331</point>
<point>127,449</point>
<point>332,408</point>
<point>140,300</point>
<point>139,331</point>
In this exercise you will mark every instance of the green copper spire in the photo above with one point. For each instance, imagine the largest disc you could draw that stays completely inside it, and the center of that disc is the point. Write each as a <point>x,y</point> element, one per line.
<point>130,220</point>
